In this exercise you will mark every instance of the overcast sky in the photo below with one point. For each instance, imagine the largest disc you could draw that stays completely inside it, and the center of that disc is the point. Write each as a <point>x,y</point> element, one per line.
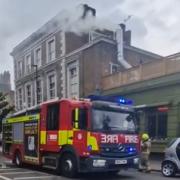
<point>154,23</point>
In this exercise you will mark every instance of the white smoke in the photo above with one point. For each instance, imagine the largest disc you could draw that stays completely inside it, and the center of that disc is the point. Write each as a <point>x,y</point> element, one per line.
<point>72,21</point>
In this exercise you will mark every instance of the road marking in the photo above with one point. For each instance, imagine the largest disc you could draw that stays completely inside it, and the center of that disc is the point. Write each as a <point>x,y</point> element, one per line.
<point>4,178</point>
<point>19,178</point>
<point>26,172</point>
<point>9,169</point>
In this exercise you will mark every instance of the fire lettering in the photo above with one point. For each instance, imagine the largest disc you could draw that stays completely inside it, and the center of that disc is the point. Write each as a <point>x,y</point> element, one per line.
<point>109,138</point>
<point>131,139</point>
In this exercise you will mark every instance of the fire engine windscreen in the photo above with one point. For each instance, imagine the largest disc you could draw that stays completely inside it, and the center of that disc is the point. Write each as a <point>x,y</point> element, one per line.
<point>109,120</point>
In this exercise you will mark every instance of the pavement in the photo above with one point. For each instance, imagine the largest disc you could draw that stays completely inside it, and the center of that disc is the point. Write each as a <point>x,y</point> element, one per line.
<point>155,161</point>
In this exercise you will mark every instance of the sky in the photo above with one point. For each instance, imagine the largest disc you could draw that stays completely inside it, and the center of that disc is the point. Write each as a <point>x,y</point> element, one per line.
<point>154,23</point>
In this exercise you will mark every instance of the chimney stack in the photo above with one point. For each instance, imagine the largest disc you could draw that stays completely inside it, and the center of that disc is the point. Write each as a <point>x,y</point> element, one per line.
<point>126,35</point>
<point>87,9</point>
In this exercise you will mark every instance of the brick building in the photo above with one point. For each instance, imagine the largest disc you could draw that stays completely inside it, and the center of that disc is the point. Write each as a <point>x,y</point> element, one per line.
<point>53,63</point>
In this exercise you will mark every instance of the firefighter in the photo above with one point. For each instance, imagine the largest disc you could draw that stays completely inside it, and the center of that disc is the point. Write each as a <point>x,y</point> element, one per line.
<point>145,152</point>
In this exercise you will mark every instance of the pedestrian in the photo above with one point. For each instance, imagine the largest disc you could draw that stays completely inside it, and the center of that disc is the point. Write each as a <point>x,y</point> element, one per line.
<point>144,164</point>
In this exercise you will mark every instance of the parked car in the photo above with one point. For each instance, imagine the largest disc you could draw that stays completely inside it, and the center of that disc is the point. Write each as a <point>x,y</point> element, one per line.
<point>171,164</point>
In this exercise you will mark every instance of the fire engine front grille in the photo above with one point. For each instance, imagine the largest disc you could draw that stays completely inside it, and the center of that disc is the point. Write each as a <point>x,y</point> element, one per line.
<point>118,150</point>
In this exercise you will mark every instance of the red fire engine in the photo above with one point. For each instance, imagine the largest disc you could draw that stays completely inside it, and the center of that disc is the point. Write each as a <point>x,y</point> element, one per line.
<point>74,136</point>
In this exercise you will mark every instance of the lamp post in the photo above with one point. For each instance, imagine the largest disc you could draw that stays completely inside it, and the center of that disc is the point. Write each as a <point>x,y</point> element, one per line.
<point>36,77</point>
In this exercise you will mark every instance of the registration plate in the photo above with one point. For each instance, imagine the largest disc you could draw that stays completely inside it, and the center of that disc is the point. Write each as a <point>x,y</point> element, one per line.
<point>118,161</point>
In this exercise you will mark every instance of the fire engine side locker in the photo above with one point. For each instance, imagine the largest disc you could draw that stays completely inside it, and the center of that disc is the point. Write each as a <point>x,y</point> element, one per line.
<point>31,141</point>
<point>21,135</point>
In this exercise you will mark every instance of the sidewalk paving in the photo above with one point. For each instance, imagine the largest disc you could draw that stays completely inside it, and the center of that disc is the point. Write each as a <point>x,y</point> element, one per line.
<point>155,165</point>
<point>155,161</point>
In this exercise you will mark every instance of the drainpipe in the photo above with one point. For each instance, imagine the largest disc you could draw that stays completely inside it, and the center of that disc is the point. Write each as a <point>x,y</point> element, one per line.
<point>120,44</point>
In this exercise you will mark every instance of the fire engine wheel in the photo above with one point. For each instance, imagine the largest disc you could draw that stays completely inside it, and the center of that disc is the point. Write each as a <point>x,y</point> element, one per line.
<point>69,165</point>
<point>18,159</point>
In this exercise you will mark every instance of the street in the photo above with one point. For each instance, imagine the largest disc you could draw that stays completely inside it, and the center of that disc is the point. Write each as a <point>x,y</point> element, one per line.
<point>40,174</point>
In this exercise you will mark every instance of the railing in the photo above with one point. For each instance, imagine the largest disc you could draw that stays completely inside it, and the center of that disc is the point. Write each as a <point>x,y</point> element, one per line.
<point>140,73</point>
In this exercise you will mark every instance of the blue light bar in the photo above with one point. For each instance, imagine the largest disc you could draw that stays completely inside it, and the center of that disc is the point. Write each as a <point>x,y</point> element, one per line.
<point>115,99</point>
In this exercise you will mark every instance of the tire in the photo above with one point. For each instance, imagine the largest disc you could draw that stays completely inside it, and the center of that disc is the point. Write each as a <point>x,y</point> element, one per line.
<point>68,165</point>
<point>168,169</point>
<point>18,159</point>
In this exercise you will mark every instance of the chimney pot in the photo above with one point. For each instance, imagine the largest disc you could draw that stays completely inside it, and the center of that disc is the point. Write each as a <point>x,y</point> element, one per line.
<point>123,27</point>
<point>87,9</point>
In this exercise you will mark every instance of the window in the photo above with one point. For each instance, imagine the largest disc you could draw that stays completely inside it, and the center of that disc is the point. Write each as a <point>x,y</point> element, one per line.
<point>38,56</point>
<point>28,64</point>
<point>28,95</point>
<point>51,86</point>
<point>73,80</point>
<point>19,98</point>
<point>51,50</point>
<point>113,68</point>
<point>39,91</point>
<point>79,118</point>
<point>178,151</point>
<point>53,117</point>
<point>19,69</point>
<point>157,123</point>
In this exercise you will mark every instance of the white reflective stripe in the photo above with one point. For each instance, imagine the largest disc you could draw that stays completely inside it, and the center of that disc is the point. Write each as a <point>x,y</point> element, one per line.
<point>35,177</point>
<point>9,169</point>
<point>26,172</point>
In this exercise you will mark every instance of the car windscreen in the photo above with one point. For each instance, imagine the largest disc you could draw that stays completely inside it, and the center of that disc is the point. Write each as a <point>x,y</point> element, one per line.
<point>171,142</point>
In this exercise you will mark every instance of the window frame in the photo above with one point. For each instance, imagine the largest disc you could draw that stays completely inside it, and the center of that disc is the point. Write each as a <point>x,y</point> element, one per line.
<point>113,65</point>
<point>35,56</point>
<point>42,92</point>
<point>154,111</point>
<point>28,71</point>
<point>47,49</point>
<point>71,92</point>
<point>55,87</point>
<point>31,93</point>
<point>18,98</point>
<point>19,68</point>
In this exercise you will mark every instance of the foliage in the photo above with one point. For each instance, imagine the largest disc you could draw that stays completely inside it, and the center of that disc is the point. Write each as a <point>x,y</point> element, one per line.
<point>5,108</point>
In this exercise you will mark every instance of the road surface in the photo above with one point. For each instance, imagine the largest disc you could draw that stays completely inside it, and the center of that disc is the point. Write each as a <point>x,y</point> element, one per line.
<point>14,173</point>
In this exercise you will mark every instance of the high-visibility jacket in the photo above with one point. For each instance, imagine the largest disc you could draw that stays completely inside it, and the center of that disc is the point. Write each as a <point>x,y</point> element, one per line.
<point>146,147</point>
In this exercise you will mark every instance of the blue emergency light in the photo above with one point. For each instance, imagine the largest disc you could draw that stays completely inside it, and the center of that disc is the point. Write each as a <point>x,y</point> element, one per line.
<point>131,149</point>
<point>116,99</point>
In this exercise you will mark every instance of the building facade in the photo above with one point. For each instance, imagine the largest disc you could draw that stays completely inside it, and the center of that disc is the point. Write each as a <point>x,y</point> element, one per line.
<point>53,63</point>
<point>155,90</point>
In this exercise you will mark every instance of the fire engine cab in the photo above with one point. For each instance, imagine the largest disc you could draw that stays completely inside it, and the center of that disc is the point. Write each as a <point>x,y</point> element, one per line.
<point>74,136</point>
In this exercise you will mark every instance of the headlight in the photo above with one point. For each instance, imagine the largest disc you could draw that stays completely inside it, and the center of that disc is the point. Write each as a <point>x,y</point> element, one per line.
<point>99,163</point>
<point>136,160</point>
